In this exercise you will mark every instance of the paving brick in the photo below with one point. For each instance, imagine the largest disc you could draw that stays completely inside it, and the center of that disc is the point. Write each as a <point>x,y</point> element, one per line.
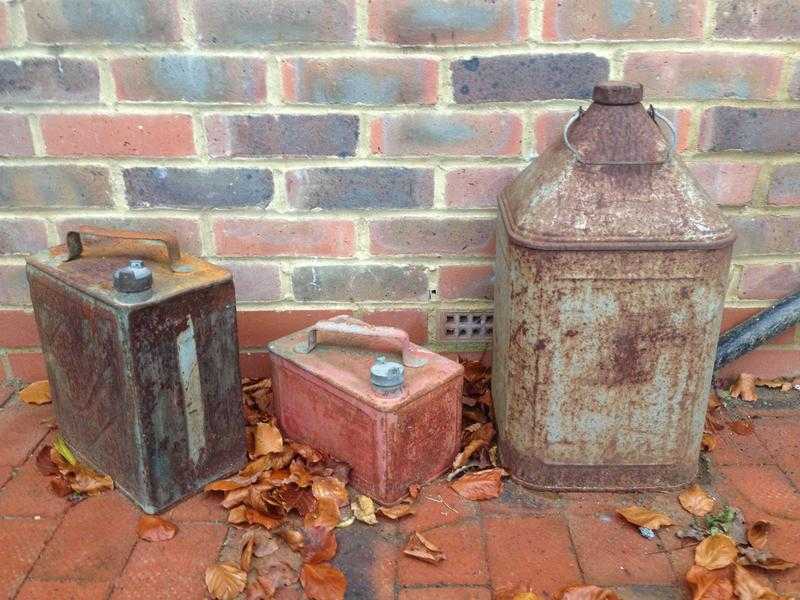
<point>22,540</point>
<point>45,80</point>
<point>64,590</point>
<point>735,449</point>
<point>359,188</point>
<point>477,187</point>
<point>520,77</point>
<point>757,19</point>
<point>187,229</point>
<point>360,283</point>
<point>27,366</point>
<point>257,328</point>
<point>22,427</point>
<point>448,23</point>
<point>6,471</point>
<point>369,567</point>
<point>16,140</point>
<point>54,186</point>
<point>781,438</point>
<point>769,282</point>
<point>118,135</point>
<point>611,20</point>
<point>534,552</point>
<point>705,75</point>
<point>727,183</point>
<point>733,316</point>
<point>14,285</point>
<point>445,593</point>
<point>65,22</point>
<point>413,322</point>
<point>465,561</point>
<point>766,234</point>
<point>763,362</point>
<point>764,486</point>
<point>438,505</point>
<point>432,134</point>
<point>190,78</point>
<point>254,281</point>
<point>784,187</point>
<point>165,187</point>
<point>651,592</point>
<point>429,237</point>
<point>267,22</point>
<point>471,282</point>
<point>373,81</point>
<point>260,237</point>
<point>172,569</point>
<point>203,507</point>
<point>28,495</point>
<point>750,129</point>
<point>22,235</point>
<point>281,135</point>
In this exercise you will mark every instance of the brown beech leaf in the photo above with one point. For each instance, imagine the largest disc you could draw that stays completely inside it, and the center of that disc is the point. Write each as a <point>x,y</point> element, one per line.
<point>36,393</point>
<point>398,511</point>
<point>319,545</point>
<point>715,552</point>
<point>709,442</point>
<point>330,487</point>
<point>323,581</point>
<point>256,517</point>
<point>696,501</point>
<point>246,559</point>
<point>267,439</point>
<point>745,388</point>
<point>757,534</point>
<point>644,517</point>
<point>750,587</point>
<point>741,426</point>
<point>413,491</point>
<point>713,400</point>
<point>155,529</point>
<point>254,467</point>
<point>763,559</point>
<point>90,482</point>
<point>276,576</point>
<point>364,510</point>
<point>60,487</point>
<point>225,581</point>
<point>420,548</point>
<point>325,514</point>
<point>709,585</point>
<point>515,593</point>
<point>481,485</point>
<point>311,455</point>
<point>480,438</point>
<point>44,463</point>
<point>586,592</point>
<point>226,485</point>
<point>293,538</point>
<point>234,498</point>
<point>237,515</point>
<point>300,474</point>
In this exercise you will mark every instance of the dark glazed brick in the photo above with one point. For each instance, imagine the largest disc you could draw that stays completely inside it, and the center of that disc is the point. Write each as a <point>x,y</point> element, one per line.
<point>102,21</point>
<point>36,80</point>
<point>360,283</point>
<point>750,129</point>
<point>766,235</point>
<point>784,187</point>
<point>16,139</point>
<point>198,188</point>
<point>360,188</point>
<point>282,135</point>
<point>520,77</point>
<point>14,285</point>
<point>54,186</point>
<point>265,22</point>
<point>759,19</point>
<point>22,235</point>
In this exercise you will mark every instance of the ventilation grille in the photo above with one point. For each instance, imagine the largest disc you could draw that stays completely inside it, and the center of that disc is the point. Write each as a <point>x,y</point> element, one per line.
<point>468,326</point>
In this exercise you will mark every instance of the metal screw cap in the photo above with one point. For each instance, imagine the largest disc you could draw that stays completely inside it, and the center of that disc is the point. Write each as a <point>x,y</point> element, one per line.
<point>618,92</point>
<point>133,278</point>
<point>386,375</point>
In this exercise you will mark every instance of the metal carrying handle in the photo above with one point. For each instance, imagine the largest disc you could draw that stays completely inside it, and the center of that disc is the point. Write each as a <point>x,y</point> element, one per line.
<point>654,114</point>
<point>170,240</point>
<point>346,331</point>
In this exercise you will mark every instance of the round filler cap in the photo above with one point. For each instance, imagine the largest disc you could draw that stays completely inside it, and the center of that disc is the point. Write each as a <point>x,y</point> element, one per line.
<point>618,92</point>
<point>386,375</point>
<point>133,278</point>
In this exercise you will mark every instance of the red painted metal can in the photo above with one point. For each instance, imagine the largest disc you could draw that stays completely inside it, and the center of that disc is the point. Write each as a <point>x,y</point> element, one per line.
<point>611,272</point>
<point>368,396</point>
<point>142,358</point>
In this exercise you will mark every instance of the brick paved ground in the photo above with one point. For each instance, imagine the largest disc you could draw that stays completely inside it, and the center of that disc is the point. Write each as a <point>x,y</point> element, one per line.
<point>52,549</point>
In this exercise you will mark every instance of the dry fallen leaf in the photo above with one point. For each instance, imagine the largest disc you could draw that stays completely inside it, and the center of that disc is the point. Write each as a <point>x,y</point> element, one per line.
<point>232,483</point>
<point>715,552</point>
<point>268,439</point>
<point>586,592</point>
<point>37,393</point>
<point>319,545</point>
<point>325,514</point>
<point>481,485</point>
<point>246,560</point>
<point>398,511</point>
<point>517,592</point>
<point>644,517</point>
<point>155,529</point>
<point>745,388</point>
<point>696,501</point>
<point>364,510</point>
<point>44,462</point>
<point>295,539</point>
<point>480,438</point>
<point>323,581</point>
<point>709,585</point>
<point>238,515</point>
<point>749,587</point>
<point>763,559</point>
<point>420,548</point>
<point>742,427</point>
<point>709,442</point>
<point>757,534</point>
<point>90,482</point>
<point>225,581</point>
<point>256,517</point>
<point>277,575</point>
<point>330,487</point>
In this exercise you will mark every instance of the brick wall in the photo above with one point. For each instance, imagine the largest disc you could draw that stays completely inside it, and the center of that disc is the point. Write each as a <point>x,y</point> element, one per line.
<point>345,155</point>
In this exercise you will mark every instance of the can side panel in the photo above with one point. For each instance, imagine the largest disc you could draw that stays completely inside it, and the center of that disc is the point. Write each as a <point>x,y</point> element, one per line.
<point>186,364</point>
<point>83,342</point>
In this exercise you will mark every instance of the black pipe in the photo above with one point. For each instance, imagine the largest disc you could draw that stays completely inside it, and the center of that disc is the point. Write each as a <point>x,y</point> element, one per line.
<point>757,329</point>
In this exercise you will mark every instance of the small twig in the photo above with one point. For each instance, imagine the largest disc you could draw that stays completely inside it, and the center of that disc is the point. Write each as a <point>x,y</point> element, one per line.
<point>440,500</point>
<point>460,470</point>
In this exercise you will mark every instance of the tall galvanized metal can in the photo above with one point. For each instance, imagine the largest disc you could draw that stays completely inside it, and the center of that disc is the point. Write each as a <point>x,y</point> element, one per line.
<point>142,358</point>
<point>611,272</point>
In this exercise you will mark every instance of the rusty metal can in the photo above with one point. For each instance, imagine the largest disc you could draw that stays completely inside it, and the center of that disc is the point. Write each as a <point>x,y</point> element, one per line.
<point>142,358</point>
<point>612,266</point>
<point>367,396</point>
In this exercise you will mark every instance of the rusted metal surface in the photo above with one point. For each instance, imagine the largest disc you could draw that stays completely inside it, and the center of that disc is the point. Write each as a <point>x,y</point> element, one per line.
<point>610,282</point>
<point>146,385</point>
<point>390,438</point>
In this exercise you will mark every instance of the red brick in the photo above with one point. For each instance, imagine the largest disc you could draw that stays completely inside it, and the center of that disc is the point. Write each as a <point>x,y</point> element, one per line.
<point>477,187</point>
<point>118,135</point>
<point>446,593</point>
<point>28,495</point>
<point>735,449</point>
<point>261,237</point>
<point>254,364</point>
<point>6,471</point>
<point>438,505</point>
<point>767,282</point>
<point>16,140</point>
<point>608,20</point>
<point>22,540</point>
<point>259,327</point>
<point>465,561</point>
<point>758,19</point>
<point>460,134</point>
<point>28,366</point>
<point>439,22</point>
<point>413,322</point>
<point>18,329</point>
<point>429,237</point>
<point>384,558</point>
<point>458,282</point>
<point>22,235</point>
<point>254,282</point>
<point>733,316</point>
<point>781,437</point>
<point>64,590</point>
<point>705,75</point>
<point>767,234</point>
<point>93,541</point>
<point>360,81</point>
<point>45,80</point>
<point>172,569</point>
<point>54,186</point>
<point>728,184</point>
<point>784,186</point>
<point>764,486</point>
<point>203,507</point>
<point>22,427</point>
<point>14,285</point>
<point>763,362</point>
<point>187,229</point>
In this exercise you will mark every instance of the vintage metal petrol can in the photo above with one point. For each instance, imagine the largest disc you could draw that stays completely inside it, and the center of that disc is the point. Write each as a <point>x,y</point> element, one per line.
<point>612,266</point>
<point>141,352</point>
<point>366,395</point>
